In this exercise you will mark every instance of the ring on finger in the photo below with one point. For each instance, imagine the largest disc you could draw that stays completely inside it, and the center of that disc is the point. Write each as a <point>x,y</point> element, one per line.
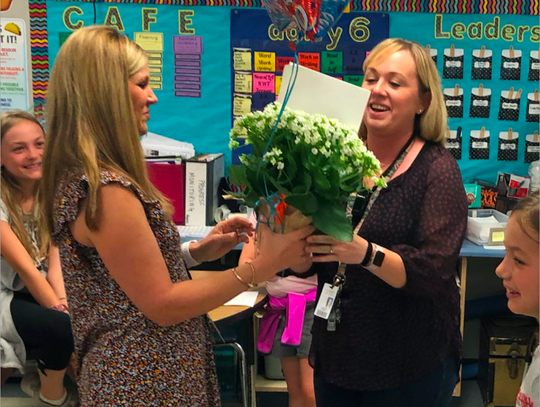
<point>331,249</point>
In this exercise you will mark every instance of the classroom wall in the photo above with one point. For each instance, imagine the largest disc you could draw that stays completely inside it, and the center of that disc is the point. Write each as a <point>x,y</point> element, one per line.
<point>192,48</point>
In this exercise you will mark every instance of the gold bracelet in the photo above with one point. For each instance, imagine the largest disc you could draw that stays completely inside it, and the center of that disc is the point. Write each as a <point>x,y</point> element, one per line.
<point>248,285</point>
<point>239,278</point>
<point>252,284</point>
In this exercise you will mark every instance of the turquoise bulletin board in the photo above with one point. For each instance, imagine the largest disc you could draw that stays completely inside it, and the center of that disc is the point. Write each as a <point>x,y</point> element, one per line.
<point>259,53</point>
<point>192,107</point>
<point>484,87</point>
<point>191,42</point>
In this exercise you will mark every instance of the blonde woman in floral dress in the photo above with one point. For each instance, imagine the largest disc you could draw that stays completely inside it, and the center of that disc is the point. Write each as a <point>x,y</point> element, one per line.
<point>141,334</point>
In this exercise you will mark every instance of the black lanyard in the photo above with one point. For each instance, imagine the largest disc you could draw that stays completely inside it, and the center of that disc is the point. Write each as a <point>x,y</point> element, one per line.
<point>339,278</point>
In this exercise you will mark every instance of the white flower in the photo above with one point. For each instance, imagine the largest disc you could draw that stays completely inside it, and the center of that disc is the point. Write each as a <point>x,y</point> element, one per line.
<point>302,136</point>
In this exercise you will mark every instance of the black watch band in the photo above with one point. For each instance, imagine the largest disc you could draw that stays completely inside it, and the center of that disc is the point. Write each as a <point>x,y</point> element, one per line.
<point>367,257</point>
<point>378,258</point>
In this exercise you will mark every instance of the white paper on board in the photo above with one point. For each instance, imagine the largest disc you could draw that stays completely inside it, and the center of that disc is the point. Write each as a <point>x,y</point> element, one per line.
<point>317,93</point>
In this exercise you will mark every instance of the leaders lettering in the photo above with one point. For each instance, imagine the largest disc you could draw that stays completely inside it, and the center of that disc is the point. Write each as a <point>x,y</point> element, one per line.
<point>489,31</point>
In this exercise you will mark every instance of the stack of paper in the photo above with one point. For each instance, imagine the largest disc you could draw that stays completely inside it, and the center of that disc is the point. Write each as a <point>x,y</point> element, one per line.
<point>156,145</point>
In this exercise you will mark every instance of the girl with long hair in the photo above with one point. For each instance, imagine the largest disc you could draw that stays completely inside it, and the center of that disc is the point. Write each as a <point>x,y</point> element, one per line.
<point>33,295</point>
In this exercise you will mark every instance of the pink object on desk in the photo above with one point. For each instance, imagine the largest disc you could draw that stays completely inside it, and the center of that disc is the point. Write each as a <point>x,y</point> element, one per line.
<point>170,179</point>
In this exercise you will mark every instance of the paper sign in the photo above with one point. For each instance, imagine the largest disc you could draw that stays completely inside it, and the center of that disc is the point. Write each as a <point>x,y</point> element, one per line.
<point>353,60</point>
<point>241,59</point>
<point>242,82</point>
<point>332,62</point>
<point>182,63</point>
<point>149,41</point>
<point>187,44</point>
<point>309,60</point>
<point>265,61</point>
<point>14,65</point>
<point>497,237</point>
<point>278,84</point>
<point>259,100</point>
<point>263,82</point>
<point>241,105</point>
<point>282,62</point>
<point>315,92</point>
<point>354,79</point>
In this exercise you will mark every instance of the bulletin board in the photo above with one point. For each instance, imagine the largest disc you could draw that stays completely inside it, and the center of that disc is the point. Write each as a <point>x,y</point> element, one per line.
<point>259,52</point>
<point>192,43</point>
<point>489,68</point>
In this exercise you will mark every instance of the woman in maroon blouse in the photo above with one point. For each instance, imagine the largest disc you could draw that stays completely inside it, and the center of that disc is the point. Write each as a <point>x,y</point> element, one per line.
<point>393,339</point>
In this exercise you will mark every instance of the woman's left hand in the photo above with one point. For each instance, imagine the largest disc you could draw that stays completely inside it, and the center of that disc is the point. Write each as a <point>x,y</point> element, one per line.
<point>327,249</point>
<point>222,239</point>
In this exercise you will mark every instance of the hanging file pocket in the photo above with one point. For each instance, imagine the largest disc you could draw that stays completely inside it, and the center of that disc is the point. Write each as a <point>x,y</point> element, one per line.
<point>454,143</point>
<point>532,148</point>
<point>508,146</point>
<point>509,105</point>
<point>511,64</point>
<point>534,66</point>
<point>482,64</point>
<point>453,99</point>
<point>533,107</point>
<point>480,102</point>
<point>453,63</point>
<point>479,145</point>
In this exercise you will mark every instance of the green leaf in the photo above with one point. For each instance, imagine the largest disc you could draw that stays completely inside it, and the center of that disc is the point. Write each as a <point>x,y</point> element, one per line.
<point>237,175</point>
<point>319,179</point>
<point>333,179</point>
<point>277,186</point>
<point>332,221</point>
<point>251,198</point>
<point>290,164</point>
<point>305,203</point>
<point>303,184</point>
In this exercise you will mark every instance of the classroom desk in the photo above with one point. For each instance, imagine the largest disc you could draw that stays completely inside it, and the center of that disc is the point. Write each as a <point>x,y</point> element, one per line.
<point>468,250</point>
<point>228,314</point>
<point>224,316</point>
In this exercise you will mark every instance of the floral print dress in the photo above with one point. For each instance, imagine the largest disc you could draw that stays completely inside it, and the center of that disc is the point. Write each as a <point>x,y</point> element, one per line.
<point>123,357</point>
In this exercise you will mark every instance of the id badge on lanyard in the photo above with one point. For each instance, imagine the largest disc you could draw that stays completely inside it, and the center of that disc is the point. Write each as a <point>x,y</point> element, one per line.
<point>328,306</point>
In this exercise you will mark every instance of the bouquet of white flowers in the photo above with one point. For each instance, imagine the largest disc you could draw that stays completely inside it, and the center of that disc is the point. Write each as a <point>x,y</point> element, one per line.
<point>312,163</point>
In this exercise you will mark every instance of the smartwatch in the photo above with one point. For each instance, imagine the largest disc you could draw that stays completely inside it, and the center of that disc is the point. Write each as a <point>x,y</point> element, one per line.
<point>378,256</point>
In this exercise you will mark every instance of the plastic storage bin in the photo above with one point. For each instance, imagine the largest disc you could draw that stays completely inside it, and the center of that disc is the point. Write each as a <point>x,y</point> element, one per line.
<point>481,222</point>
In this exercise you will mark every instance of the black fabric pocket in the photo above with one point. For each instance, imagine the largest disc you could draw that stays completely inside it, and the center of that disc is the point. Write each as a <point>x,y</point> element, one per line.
<point>453,64</point>
<point>453,99</point>
<point>454,143</point>
<point>480,105</point>
<point>534,66</point>
<point>511,65</point>
<point>509,106</point>
<point>482,65</point>
<point>532,147</point>
<point>508,146</point>
<point>533,107</point>
<point>478,145</point>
